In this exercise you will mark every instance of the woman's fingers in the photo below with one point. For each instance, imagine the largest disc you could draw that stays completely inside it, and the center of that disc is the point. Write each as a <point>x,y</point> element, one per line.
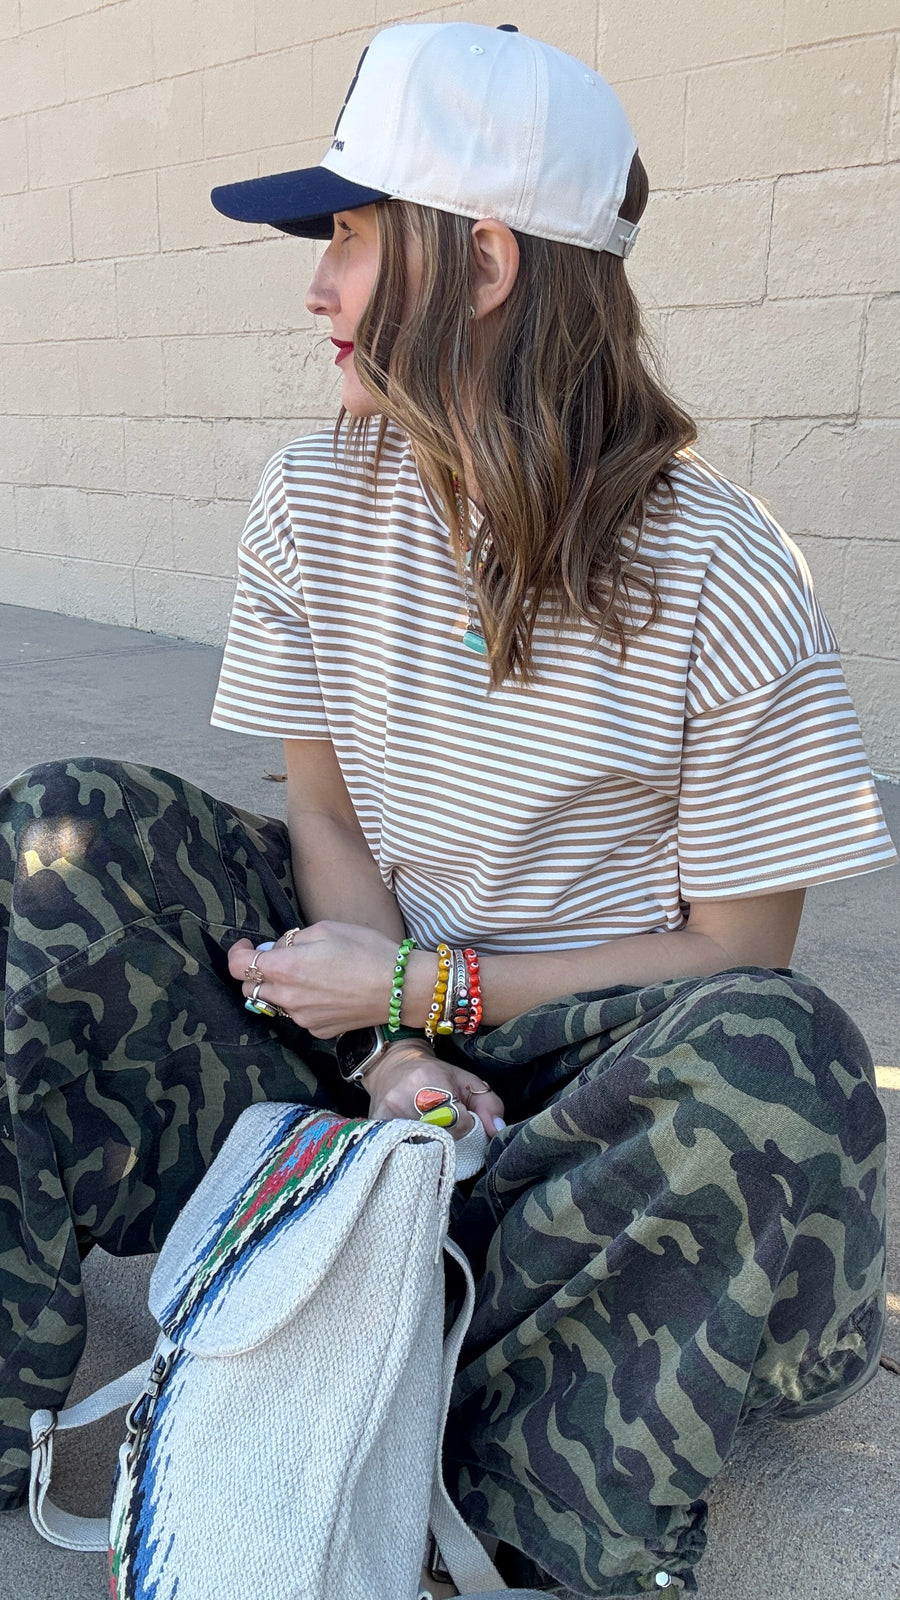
<point>484,1104</point>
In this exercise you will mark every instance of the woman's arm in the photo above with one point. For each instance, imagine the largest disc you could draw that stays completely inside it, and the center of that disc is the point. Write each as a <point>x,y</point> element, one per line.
<point>747,931</point>
<point>335,873</point>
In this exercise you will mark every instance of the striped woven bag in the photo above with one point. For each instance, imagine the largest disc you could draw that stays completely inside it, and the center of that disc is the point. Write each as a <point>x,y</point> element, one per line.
<point>283,1438</point>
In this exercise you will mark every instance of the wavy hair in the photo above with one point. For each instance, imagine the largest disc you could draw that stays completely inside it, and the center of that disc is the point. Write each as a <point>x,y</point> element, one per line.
<point>568,429</point>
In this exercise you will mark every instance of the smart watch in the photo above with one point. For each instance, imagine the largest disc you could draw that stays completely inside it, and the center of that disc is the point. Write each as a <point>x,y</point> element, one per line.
<point>358,1049</point>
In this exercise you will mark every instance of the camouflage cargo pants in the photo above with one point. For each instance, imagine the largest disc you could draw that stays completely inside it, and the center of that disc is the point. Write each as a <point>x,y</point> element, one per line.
<point>682,1227</point>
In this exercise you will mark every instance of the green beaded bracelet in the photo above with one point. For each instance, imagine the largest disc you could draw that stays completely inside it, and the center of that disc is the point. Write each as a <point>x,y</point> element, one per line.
<point>407,946</point>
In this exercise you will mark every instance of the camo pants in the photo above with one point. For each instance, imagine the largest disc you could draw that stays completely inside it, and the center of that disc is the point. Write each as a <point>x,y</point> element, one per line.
<point>682,1227</point>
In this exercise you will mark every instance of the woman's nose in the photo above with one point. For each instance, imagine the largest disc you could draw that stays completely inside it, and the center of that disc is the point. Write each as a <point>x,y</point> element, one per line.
<point>321,300</point>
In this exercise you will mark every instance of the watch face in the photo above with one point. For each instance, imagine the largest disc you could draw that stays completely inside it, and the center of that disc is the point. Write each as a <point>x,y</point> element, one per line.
<point>354,1048</point>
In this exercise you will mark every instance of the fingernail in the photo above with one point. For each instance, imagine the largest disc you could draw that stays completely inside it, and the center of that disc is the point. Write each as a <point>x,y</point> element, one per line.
<point>499,1124</point>
<point>268,945</point>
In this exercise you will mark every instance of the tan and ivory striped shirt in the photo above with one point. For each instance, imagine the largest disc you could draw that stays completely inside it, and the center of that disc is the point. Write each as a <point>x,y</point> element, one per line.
<point>723,758</point>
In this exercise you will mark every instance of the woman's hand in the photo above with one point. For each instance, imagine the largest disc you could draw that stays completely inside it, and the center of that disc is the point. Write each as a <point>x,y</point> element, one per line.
<point>331,977</point>
<point>409,1066</point>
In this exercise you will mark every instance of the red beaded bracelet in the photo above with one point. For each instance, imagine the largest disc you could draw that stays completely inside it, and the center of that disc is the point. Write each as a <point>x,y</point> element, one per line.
<point>473,1021</point>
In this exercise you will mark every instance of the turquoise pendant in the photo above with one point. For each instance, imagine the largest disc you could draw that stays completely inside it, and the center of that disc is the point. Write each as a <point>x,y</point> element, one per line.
<point>473,641</point>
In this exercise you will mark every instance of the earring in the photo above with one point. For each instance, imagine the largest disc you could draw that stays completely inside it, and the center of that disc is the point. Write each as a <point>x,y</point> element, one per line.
<point>472,313</point>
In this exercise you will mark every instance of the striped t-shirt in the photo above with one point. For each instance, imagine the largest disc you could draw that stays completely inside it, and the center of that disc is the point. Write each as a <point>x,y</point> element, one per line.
<point>723,757</point>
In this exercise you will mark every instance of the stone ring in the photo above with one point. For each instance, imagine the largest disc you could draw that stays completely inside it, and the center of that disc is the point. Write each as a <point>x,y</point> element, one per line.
<point>438,1107</point>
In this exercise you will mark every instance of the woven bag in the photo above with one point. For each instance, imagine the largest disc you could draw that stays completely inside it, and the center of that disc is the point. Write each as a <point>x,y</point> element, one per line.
<point>284,1439</point>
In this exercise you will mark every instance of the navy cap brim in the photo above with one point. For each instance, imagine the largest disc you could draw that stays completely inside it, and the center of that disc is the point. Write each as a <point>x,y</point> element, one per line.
<point>302,202</point>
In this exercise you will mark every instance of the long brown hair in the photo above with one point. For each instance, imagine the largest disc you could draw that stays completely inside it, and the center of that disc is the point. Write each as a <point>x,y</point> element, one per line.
<point>568,429</point>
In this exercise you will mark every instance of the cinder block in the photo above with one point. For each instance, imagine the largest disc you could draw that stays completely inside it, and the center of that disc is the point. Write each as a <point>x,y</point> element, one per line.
<point>206,534</point>
<point>264,100</point>
<point>115,216</point>
<point>880,392</point>
<point>187,217</point>
<point>7,517</point>
<point>135,529</point>
<point>298,376</point>
<point>875,688</point>
<point>656,107</point>
<point>134,130</point>
<point>388,11</point>
<point>161,294</point>
<point>836,233</point>
<point>98,590</point>
<point>51,521</point>
<point>705,246</point>
<point>121,377</point>
<point>213,376</point>
<point>638,38</point>
<point>32,580</point>
<point>813,21</point>
<point>35,228</point>
<point>155,125</point>
<point>869,616</point>
<point>183,604</point>
<point>168,455</point>
<point>108,50</point>
<point>242,449</point>
<point>726,446</point>
<point>278,26</point>
<point>72,301</point>
<point>32,71</point>
<point>41,13</point>
<point>39,380</point>
<point>86,452</point>
<point>827,479</point>
<point>68,144</point>
<point>806,111</point>
<point>282,158</point>
<point>9,19</point>
<point>334,62</point>
<point>204,33</point>
<point>13,156</point>
<point>827,559</point>
<point>569,24</point>
<point>783,358</point>
<point>23,455</point>
<point>260,286</point>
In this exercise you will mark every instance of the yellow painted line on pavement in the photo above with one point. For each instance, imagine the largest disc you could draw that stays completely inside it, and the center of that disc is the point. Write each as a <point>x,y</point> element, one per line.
<point>887,1077</point>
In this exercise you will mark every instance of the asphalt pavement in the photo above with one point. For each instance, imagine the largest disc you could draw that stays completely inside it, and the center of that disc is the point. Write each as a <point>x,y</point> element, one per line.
<point>804,1510</point>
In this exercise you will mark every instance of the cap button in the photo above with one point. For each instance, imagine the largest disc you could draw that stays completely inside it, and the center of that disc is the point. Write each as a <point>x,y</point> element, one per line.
<point>476,49</point>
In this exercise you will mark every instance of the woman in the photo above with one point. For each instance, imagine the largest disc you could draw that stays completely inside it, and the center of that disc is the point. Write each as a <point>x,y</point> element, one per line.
<point>566,739</point>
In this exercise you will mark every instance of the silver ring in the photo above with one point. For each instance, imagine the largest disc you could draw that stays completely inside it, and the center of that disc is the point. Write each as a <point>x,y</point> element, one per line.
<point>254,993</point>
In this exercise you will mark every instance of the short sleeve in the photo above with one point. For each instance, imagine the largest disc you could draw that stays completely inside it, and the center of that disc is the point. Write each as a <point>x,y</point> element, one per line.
<point>776,790</point>
<point>268,683</point>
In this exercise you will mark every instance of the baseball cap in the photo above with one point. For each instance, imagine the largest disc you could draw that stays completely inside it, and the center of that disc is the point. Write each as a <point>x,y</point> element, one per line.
<point>481,122</point>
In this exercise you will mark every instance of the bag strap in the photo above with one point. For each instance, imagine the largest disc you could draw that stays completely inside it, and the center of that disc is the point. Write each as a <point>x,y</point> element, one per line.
<point>463,1553</point>
<point>63,1527</point>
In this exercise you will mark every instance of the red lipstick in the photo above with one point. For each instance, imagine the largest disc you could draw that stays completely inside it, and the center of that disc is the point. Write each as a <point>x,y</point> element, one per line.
<point>344,348</point>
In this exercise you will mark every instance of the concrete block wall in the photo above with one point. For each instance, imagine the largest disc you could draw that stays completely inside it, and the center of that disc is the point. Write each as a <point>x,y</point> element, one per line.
<point>155,354</point>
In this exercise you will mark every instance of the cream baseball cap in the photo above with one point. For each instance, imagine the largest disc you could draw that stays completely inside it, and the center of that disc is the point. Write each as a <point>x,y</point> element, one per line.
<point>482,122</point>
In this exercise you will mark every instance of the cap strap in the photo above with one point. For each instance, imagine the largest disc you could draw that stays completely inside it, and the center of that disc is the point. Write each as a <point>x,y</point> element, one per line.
<point>621,241</point>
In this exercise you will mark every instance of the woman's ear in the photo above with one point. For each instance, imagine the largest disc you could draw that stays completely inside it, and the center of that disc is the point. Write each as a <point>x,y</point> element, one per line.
<point>496,255</point>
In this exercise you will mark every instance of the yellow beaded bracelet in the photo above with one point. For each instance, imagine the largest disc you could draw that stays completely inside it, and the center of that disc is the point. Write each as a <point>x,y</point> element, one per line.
<point>436,1009</point>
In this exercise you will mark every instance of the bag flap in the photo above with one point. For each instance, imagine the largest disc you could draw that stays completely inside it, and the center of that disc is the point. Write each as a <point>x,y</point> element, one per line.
<point>270,1216</point>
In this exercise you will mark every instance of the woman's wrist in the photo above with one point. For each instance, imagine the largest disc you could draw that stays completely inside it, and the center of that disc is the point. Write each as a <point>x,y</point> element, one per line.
<point>409,1053</point>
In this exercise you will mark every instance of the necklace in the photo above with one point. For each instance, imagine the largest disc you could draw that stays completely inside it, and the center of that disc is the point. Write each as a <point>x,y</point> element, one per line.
<point>473,638</point>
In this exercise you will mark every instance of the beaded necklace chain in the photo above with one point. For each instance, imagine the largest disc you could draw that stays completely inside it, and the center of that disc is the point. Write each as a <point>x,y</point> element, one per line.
<point>473,638</point>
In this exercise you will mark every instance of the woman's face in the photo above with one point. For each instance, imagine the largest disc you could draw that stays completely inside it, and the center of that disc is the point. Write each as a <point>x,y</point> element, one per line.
<point>340,290</point>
